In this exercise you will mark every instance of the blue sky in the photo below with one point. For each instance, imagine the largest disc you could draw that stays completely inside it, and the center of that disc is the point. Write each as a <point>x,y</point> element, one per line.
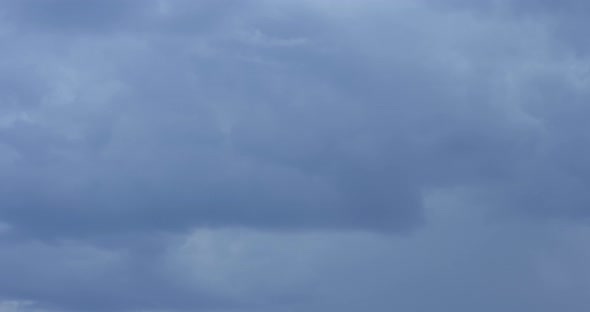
<point>294,155</point>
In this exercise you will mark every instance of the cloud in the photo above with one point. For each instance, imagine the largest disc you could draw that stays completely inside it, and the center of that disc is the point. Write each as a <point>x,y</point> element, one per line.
<point>260,156</point>
<point>461,260</point>
<point>93,279</point>
<point>286,155</point>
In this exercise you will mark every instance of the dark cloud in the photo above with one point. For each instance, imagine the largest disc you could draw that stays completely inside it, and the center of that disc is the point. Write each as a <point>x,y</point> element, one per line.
<point>287,160</point>
<point>94,279</point>
<point>564,19</point>
<point>126,125</point>
<point>73,16</point>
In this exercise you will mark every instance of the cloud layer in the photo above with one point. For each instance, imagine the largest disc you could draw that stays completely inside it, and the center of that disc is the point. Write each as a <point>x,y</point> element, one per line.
<point>293,155</point>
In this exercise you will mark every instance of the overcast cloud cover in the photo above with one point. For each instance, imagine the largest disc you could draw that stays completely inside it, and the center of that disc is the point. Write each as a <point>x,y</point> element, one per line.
<point>294,155</point>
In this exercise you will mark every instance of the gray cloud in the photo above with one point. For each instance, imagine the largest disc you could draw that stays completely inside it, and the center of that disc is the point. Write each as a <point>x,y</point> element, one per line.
<point>75,277</point>
<point>129,127</point>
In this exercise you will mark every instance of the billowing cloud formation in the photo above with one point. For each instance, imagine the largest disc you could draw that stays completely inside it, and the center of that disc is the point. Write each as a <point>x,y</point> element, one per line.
<point>292,155</point>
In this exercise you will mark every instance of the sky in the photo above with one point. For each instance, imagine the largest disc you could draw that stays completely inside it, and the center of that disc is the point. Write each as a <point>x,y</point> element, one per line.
<point>294,155</point>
